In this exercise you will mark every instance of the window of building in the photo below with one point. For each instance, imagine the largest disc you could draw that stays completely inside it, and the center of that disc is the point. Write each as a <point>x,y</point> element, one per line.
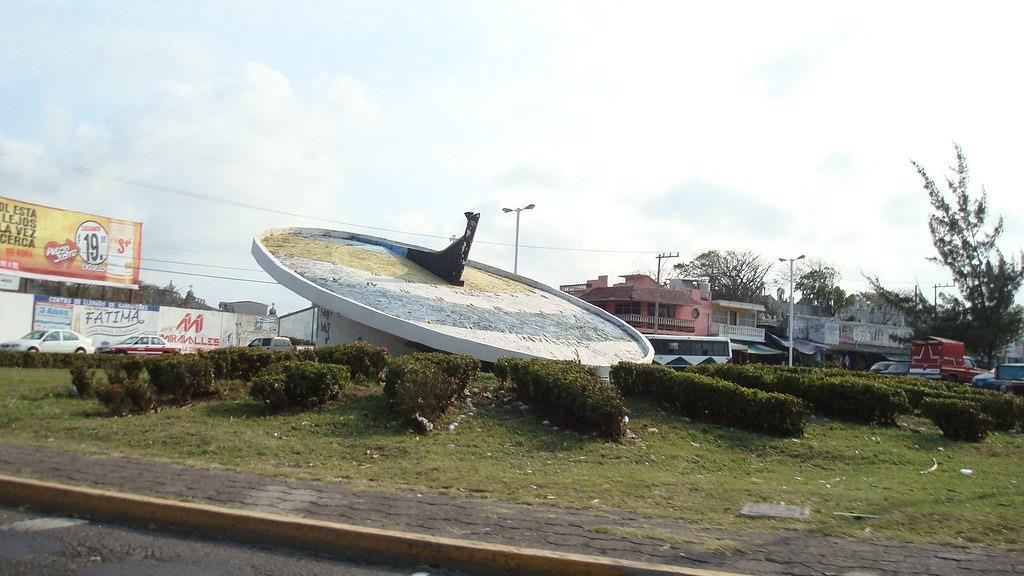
<point>627,308</point>
<point>720,316</point>
<point>666,310</point>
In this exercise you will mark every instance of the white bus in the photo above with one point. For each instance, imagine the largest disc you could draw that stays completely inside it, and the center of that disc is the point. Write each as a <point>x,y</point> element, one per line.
<point>683,351</point>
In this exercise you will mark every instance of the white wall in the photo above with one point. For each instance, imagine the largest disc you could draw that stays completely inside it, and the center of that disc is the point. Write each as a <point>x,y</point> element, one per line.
<point>298,325</point>
<point>109,322</point>
<point>333,328</point>
<point>15,315</point>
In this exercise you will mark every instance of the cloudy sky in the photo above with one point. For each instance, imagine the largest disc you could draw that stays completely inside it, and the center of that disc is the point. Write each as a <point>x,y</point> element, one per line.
<point>785,128</point>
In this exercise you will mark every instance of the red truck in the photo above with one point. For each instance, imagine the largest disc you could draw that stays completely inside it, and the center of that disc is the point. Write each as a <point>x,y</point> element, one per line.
<point>941,359</point>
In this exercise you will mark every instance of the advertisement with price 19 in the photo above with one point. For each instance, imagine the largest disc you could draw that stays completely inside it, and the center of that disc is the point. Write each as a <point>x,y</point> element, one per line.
<point>49,243</point>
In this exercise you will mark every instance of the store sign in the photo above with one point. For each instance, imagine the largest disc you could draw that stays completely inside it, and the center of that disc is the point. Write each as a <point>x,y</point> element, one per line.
<point>9,282</point>
<point>52,315</point>
<point>53,244</point>
<point>192,329</point>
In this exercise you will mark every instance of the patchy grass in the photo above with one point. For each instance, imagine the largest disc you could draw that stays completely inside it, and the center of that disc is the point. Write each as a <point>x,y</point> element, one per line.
<point>699,473</point>
<point>712,544</point>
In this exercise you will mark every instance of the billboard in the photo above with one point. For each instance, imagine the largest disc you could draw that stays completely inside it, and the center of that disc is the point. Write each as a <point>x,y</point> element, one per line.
<point>54,244</point>
<point>9,282</point>
<point>193,329</point>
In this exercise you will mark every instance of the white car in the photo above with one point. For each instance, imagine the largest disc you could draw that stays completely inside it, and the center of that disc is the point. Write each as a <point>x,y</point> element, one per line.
<point>51,341</point>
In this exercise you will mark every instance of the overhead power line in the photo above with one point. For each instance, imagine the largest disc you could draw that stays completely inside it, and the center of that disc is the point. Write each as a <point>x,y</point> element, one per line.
<point>139,183</point>
<point>233,278</point>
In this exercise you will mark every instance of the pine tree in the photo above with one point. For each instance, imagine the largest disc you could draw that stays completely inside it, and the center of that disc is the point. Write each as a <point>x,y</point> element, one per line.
<point>985,315</point>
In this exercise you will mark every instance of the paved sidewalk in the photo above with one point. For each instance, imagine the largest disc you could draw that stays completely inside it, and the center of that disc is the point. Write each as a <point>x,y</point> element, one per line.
<point>587,532</point>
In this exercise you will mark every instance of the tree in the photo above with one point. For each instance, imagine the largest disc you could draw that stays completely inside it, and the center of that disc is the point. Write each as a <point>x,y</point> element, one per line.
<point>817,283</point>
<point>733,275</point>
<point>880,311</point>
<point>985,315</point>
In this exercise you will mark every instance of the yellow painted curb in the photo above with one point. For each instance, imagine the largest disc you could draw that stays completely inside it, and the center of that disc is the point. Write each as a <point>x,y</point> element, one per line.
<point>339,540</point>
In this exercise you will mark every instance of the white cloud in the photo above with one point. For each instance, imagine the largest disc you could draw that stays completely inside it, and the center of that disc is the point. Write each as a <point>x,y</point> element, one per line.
<point>789,129</point>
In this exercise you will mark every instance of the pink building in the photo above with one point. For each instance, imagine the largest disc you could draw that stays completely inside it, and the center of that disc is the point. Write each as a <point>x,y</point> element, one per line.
<point>682,308</point>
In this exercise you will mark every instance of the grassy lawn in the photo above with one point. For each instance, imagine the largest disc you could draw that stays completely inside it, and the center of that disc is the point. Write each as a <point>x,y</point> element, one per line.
<point>672,468</point>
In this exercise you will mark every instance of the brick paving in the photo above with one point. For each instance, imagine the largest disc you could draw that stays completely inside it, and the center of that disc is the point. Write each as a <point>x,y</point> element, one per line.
<point>605,533</point>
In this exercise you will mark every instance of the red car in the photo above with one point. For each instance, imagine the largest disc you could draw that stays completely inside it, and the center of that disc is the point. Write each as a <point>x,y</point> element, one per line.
<point>140,345</point>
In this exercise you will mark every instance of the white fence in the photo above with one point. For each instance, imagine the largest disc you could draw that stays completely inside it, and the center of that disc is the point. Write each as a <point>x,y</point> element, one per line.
<point>108,322</point>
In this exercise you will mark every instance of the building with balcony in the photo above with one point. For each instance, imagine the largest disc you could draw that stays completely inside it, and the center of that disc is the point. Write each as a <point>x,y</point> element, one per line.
<point>741,321</point>
<point>683,307</point>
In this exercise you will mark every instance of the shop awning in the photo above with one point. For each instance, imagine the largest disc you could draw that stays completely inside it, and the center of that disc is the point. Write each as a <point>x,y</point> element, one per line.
<point>762,349</point>
<point>736,347</point>
<point>800,345</point>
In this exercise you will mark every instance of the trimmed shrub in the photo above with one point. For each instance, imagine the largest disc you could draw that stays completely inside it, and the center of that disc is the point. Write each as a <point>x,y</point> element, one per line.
<point>132,365</point>
<point>958,420</point>
<point>83,378</point>
<point>299,384</point>
<point>365,361</point>
<point>844,397</point>
<point>186,378</point>
<point>1003,410</point>
<point>714,400</point>
<point>568,393</point>
<point>243,363</point>
<point>633,379</point>
<point>417,387</point>
<point>13,359</point>
<point>132,396</point>
<point>116,374</point>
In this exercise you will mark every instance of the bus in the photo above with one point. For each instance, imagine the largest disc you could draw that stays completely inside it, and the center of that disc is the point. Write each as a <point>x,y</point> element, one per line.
<point>682,351</point>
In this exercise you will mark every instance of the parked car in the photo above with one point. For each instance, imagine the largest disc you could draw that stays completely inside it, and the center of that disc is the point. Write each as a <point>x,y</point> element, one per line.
<point>985,380</point>
<point>149,344</point>
<point>880,367</point>
<point>51,341</point>
<point>941,359</point>
<point>898,369</point>
<point>277,343</point>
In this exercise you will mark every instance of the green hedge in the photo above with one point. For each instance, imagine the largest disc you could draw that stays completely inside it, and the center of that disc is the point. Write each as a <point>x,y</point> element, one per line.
<point>299,384</point>
<point>185,378</point>
<point>958,420</point>
<point>568,393</point>
<point>244,363</point>
<point>11,359</point>
<point>419,390</point>
<point>83,378</point>
<point>365,361</point>
<point>129,397</point>
<point>711,399</point>
<point>843,397</point>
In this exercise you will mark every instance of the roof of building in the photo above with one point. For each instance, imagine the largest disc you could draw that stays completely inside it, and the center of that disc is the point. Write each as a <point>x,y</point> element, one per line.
<point>636,293</point>
<point>741,305</point>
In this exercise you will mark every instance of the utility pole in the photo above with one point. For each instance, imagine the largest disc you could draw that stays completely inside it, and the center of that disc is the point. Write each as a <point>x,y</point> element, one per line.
<point>935,294</point>
<point>791,261</point>
<point>657,290</point>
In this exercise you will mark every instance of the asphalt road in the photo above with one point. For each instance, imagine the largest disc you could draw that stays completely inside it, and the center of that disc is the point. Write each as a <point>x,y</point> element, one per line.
<point>42,545</point>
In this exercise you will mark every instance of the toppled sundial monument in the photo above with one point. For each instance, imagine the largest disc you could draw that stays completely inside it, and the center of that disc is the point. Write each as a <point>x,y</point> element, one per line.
<point>409,298</point>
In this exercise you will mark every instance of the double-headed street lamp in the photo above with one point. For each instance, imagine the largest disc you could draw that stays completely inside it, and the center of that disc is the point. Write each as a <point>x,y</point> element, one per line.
<point>515,264</point>
<point>791,260</point>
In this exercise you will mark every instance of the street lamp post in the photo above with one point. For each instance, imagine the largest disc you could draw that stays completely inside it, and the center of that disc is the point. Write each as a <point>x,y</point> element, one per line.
<point>791,260</point>
<point>515,263</point>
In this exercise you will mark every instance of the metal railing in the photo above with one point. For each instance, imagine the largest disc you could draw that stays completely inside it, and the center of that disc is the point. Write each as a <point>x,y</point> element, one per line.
<point>674,324</point>
<point>742,332</point>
